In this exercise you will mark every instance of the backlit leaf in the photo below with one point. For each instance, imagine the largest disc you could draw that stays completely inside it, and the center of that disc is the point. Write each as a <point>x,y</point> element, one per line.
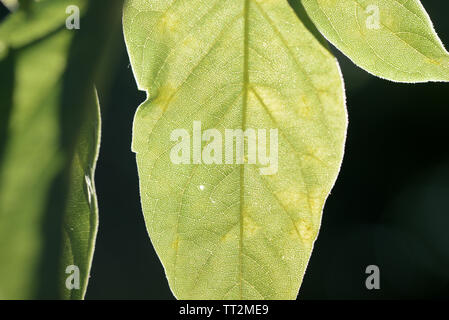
<point>392,39</point>
<point>227,231</point>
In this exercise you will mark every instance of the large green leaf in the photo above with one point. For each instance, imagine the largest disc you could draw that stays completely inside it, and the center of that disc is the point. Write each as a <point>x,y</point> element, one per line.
<point>49,142</point>
<point>226,231</point>
<point>392,39</point>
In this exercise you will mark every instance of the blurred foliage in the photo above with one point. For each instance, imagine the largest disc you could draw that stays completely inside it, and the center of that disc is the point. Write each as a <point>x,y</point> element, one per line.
<point>390,205</point>
<point>48,146</point>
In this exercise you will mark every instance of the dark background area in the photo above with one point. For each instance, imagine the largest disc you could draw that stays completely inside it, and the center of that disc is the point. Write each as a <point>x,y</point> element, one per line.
<point>389,207</point>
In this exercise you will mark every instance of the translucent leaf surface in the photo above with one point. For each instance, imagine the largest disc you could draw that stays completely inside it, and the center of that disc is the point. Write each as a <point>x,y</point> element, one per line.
<point>227,231</point>
<point>392,39</point>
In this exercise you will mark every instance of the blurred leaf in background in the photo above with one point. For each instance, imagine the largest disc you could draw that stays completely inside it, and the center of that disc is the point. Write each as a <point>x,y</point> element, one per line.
<point>49,140</point>
<point>11,4</point>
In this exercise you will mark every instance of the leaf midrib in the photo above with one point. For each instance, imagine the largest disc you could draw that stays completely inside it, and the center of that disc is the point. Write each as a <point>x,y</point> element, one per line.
<point>244,109</point>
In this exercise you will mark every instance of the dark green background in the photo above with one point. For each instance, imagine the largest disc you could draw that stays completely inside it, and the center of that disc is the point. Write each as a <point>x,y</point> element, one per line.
<point>389,207</point>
